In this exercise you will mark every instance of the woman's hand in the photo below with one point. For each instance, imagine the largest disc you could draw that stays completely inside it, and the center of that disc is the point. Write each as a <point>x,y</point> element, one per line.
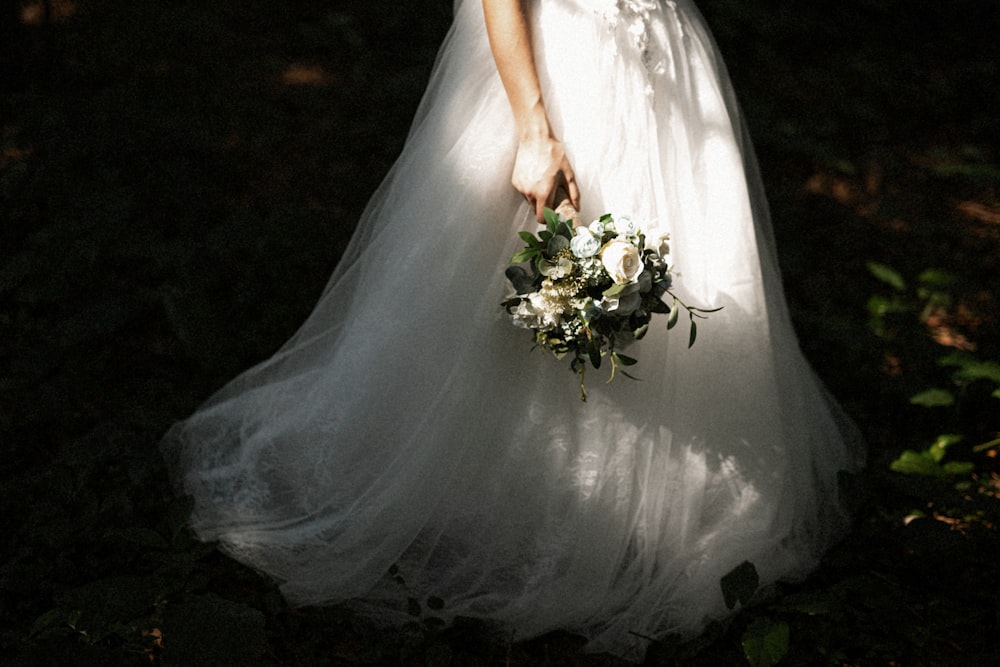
<point>540,167</point>
<point>541,170</point>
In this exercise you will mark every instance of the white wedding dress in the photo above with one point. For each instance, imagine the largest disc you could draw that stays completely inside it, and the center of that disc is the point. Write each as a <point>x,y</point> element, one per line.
<point>408,423</point>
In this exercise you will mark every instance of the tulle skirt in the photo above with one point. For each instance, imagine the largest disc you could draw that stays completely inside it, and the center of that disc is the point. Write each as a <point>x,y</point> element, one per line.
<point>409,425</point>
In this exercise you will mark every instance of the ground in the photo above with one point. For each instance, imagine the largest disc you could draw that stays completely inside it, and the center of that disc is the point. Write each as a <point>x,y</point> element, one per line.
<point>178,179</point>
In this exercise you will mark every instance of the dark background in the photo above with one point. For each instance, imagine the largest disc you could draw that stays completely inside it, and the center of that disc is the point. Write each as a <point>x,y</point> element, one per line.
<point>178,178</point>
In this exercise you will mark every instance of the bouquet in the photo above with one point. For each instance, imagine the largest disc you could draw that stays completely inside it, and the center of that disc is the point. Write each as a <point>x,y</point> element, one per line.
<point>588,291</point>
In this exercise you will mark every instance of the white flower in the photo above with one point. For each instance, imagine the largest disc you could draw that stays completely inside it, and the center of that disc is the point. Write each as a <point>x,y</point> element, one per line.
<point>627,226</point>
<point>597,227</point>
<point>621,259</point>
<point>556,269</point>
<point>527,316</point>
<point>548,308</point>
<point>585,243</point>
<point>660,244</point>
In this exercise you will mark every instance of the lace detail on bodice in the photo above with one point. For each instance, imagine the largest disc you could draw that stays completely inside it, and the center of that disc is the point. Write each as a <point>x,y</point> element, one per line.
<point>641,24</point>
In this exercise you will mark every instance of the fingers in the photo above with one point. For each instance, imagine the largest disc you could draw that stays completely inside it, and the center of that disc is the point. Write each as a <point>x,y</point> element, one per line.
<point>573,190</point>
<point>540,205</point>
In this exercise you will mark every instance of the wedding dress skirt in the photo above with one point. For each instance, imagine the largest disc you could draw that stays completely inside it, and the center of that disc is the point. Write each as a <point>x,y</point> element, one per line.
<point>408,423</point>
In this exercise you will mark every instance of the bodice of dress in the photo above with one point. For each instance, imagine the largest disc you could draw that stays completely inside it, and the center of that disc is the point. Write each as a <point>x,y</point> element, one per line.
<point>643,26</point>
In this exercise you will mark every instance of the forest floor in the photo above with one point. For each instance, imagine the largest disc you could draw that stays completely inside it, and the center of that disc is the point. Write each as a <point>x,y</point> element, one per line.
<point>178,180</point>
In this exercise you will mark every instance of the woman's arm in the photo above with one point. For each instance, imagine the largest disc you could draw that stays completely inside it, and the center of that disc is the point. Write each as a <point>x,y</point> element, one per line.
<point>540,167</point>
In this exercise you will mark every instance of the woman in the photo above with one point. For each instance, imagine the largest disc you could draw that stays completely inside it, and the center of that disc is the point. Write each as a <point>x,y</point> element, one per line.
<point>407,426</point>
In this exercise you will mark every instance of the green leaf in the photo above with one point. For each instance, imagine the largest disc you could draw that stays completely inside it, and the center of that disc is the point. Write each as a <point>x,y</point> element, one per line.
<point>942,443</point>
<point>655,305</point>
<point>614,290</point>
<point>887,275</point>
<point>551,219</point>
<point>594,351</point>
<point>958,468</point>
<point>936,278</point>
<point>528,238</point>
<point>740,584</point>
<point>916,463</point>
<point>879,305</point>
<point>996,394</point>
<point>933,398</point>
<point>979,370</point>
<point>675,311</point>
<point>956,358</point>
<point>556,244</point>
<point>765,642</point>
<point>694,332</point>
<point>524,255</point>
<point>625,361</point>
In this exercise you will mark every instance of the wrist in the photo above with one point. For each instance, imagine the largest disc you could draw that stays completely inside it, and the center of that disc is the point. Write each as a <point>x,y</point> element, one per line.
<point>533,124</point>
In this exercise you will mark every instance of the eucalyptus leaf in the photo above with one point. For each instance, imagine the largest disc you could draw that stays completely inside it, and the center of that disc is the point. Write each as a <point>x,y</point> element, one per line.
<point>557,243</point>
<point>522,281</point>
<point>657,306</point>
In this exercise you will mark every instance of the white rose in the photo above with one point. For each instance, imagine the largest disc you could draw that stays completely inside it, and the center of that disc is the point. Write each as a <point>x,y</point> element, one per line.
<point>627,226</point>
<point>660,244</point>
<point>621,260</point>
<point>584,243</point>
<point>597,227</point>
